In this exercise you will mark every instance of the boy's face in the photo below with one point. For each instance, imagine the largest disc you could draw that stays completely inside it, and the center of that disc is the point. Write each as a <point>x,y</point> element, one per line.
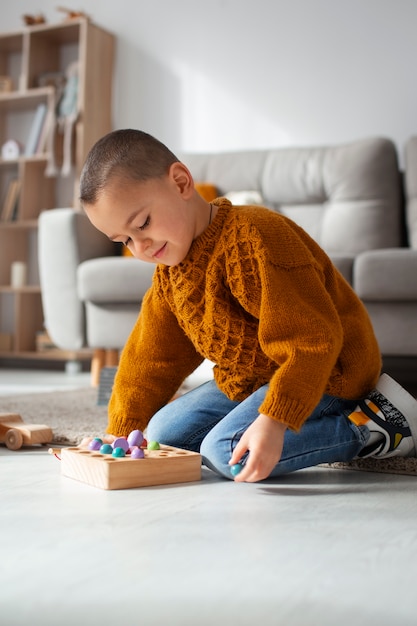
<point>156,219</point>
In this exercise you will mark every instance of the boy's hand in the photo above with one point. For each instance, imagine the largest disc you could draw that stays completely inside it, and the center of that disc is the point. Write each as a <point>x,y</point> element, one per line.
<point>264,440</point>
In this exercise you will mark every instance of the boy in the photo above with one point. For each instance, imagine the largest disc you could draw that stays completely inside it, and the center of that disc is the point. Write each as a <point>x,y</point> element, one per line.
<point>297,366</point>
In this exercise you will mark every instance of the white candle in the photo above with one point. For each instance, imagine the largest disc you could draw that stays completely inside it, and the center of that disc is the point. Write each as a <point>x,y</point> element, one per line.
<point>18,274</point>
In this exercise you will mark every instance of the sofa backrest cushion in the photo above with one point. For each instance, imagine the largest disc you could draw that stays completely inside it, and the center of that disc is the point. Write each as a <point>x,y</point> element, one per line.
<point>347,197</point>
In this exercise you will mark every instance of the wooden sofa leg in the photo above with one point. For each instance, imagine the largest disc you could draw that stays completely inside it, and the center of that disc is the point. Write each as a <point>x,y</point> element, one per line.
<point>97,363</point>
<point>112,358</point>
<point>102,358</point>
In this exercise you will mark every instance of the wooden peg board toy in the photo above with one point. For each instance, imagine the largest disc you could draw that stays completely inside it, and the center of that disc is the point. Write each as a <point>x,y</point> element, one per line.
<point>165,466</point>
<point>15,433</point>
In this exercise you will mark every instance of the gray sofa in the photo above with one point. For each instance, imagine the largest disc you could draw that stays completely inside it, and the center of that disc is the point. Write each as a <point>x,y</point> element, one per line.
<point>351,198</point>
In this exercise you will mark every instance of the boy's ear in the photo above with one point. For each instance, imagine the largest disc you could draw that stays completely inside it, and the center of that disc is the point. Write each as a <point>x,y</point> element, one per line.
<point>182,178</point>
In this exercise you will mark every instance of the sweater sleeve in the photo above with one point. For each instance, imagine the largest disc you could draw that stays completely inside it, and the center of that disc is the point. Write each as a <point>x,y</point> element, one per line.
<point>299,329</point>
<point>154,362</point>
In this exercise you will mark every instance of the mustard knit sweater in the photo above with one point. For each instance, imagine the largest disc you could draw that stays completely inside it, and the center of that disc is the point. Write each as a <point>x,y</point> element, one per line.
<point>258,297</point>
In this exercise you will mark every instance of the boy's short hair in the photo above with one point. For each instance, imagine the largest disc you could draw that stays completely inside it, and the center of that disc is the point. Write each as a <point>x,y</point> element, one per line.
<point>127,153</point>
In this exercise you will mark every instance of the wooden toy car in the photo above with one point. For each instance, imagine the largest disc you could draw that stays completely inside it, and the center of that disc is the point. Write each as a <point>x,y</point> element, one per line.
<point>15,433</point>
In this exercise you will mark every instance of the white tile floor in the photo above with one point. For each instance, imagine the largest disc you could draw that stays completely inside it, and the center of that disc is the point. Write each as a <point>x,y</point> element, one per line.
<point>316,548</point>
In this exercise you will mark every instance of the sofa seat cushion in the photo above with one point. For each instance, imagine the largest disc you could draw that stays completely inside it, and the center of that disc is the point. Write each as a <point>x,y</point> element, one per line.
<point>386,275</point>
<point>114,279</point>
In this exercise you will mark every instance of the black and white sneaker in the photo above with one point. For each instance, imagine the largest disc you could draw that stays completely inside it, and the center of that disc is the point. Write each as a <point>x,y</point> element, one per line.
<point>390,414</point>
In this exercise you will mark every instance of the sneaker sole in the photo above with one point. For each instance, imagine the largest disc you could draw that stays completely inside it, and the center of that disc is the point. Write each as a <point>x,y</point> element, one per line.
<point>402,400</point>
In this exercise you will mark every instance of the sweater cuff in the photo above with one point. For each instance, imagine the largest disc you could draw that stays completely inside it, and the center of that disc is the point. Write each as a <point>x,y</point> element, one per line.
<point>286,411</point>
<point>122,427</point>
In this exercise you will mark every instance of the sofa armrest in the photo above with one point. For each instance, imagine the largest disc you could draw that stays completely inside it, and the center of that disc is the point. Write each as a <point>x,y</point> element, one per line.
<point>66,239</point>
<point>410,183</point>
<point>387,275</point>
<point>119,279</point>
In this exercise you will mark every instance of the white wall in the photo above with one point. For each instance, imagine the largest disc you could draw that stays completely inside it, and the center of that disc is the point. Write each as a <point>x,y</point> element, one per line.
<point>232,74</point>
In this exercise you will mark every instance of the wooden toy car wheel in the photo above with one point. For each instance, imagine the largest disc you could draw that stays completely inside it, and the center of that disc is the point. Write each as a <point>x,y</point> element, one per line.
<point>14,439</point>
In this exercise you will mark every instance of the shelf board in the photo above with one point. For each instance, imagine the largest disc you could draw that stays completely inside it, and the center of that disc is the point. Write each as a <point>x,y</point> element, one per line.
<point>23,100</point>
<point>20,224</point>
<point>30,289</point>
<point>34,158</point>
<point>49,355</point>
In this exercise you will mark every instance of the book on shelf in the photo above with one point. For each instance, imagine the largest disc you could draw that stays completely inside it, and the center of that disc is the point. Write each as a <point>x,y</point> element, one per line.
<point>47,128</point>
<point>10,207</point>
<point>36,129</point>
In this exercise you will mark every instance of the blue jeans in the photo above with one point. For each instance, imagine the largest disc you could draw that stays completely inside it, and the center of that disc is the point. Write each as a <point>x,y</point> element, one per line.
<point>204,420</point>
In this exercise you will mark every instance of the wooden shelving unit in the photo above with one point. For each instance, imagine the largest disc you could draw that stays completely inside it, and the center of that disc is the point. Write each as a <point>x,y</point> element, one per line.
<point>25,57</point>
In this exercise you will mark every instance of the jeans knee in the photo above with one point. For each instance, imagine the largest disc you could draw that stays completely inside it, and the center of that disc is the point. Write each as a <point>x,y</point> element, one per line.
<point>158,430</point>
<point>215,457</point>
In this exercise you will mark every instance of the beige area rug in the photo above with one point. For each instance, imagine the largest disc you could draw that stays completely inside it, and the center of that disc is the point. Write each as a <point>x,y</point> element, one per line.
<point>73,415</point>
<point>394,465</point>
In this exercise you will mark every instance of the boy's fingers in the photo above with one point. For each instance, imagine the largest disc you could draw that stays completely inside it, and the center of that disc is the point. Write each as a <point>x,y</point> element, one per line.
<point>237,454</point>
<point>246,472</point>
<point>252,472</point>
